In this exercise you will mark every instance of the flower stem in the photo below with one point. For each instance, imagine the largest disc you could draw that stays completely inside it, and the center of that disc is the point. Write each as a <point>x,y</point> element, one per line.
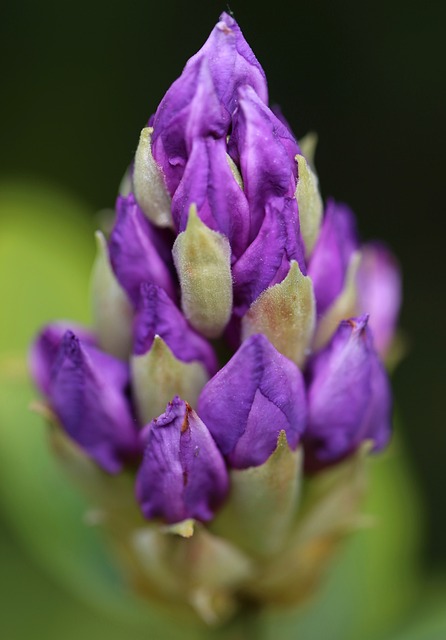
<point>245,625</point>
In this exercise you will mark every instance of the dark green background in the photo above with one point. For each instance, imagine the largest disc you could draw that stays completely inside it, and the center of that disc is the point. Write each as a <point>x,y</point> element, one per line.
<point>80,79</point>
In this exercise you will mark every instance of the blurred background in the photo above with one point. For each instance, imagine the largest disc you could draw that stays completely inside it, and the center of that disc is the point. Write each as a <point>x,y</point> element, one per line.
<point>79,81</point>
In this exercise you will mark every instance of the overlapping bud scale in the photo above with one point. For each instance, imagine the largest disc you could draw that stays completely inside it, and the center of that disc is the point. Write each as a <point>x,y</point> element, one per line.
<point>231,328</point>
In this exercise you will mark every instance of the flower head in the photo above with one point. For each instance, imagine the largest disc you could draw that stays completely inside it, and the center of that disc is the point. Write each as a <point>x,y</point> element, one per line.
<point>237,330</point>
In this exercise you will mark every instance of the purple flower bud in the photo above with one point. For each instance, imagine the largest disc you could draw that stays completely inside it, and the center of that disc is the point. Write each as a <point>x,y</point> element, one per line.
<point>183,474</point>
<point>209,183</point>
<point>201,102</point>
<point>349,398</point>
<point>158,315</point>
<point>267,260</point>
<point>379,292</point>
<point>331,255</point>
<point>87,393</point>
<point>246,405</point>
<point>136,251</point>
<point>45,348</point>
<point>265,150</point>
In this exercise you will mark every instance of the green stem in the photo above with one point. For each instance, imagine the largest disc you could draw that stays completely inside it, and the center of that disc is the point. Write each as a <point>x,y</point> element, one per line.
<point>245,625</point>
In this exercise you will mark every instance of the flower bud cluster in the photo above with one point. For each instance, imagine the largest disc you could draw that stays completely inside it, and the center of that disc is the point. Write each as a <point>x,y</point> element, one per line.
<point>239,324</point>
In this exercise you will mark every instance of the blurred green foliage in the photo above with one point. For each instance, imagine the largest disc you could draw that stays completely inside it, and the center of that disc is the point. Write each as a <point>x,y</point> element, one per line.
<point>374,588</point>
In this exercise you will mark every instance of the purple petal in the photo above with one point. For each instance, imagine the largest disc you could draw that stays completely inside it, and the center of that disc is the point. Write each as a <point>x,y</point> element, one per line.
<point>183,474</point>
<point>331,254</point>
<point>277,110</point>
<point>202,100</point>
<point>87,393</point>
<point>158,315</point>
<point>190,109</point>
<point>45,347</point>
<point>209,183</point>
<point>134,253</point>
<point>265,150</point>
<point>349,398</point>
<point>267,260</point>
<point>251,400</point>
<point>379,293</point>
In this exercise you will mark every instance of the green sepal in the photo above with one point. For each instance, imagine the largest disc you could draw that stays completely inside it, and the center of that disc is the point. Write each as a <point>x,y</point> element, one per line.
<point>111,308</point>
<point>201,571</point>
<point>262,502</point>
<point>330,511</point>
<point>308,145</point>
<point>286,314</point>
<point>158,376</point>
<point>309,202</point>
<point>203,261</point>
<point>149,185</point>
<point>343,307</point>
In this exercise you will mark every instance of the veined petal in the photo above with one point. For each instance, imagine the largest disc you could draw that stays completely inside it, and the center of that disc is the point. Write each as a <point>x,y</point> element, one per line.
<point>267,260</point>
<point>190,109</point>
<point>183,474</point>
<point>349,398</point>
<point>379,292</point>
<point>45,347</point>
<point>87,393</point>
<point>134,251</point>
<point>331,255</point>
<point>265,150</point>
<point>254,397</point>
<point>202,100</point>
<point>209,183</point>
<point>158,315</point>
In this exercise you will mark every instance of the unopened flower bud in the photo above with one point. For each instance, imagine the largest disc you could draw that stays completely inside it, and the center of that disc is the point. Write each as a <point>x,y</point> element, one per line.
<point>254,397</point>
<point>87,393</point>
<point>379,292</point>
<point>331,255</point>
<point>349,398</point>
<point>135,252</point>
<point>201,102</point>
<point>266,261</point>
<point>183,474</point>
<point>265,150</point>
<point>44,350</point>
<point>209,183</point>
<point>170,358</point>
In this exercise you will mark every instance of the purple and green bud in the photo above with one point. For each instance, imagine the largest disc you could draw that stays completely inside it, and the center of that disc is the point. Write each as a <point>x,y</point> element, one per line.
<point>183,474</point>
<point>227,293</point>
<point>87,390</point>
<point>349,397</point>
<point>254,397</point>
<point>45,348</point>
<point>137,250</point>
<point>201,102</point>
<point>379,293</point>
<point>331,255</point>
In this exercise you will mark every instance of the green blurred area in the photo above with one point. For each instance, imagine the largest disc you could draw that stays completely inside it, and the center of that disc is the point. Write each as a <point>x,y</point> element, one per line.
<point>78,85</point>
<point>56,574</point>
